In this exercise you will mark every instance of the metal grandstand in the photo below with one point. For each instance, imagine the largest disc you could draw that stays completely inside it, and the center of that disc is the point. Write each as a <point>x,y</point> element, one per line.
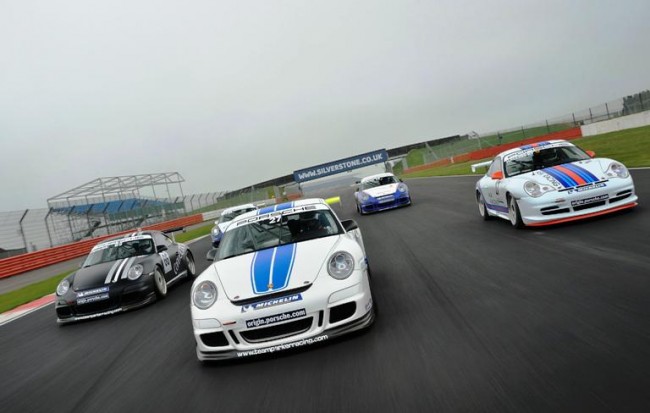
<point>112,204</point>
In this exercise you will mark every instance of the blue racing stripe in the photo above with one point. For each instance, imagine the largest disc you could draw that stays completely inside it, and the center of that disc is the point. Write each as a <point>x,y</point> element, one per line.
<point>497,208</point>
<point>582,172</point>
<point>563,178</point>
<point>286,205</point>
<point>271,268</point>
<point>266,210</point>
<point>260,270</point>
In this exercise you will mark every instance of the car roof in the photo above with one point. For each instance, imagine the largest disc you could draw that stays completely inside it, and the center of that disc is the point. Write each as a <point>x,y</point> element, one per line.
<point>237,208</point>
<point>135,235</point>
<point>281,207</point>
<point>532,146</point>
<point>376,176</point>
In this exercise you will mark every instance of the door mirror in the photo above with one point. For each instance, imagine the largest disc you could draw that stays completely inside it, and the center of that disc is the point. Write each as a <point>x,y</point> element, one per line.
<point>349,225</point>
<point>161,248</point>
<point>591,153</point>
<point>497,175</point>
<point>210,256</point>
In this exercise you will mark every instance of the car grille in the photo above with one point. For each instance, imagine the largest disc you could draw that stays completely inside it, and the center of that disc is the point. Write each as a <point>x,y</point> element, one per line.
<point>276,332</point>
<point>621,196</point>
<point>588,206</point>
<point>96,307</point>
<point>343,311</point>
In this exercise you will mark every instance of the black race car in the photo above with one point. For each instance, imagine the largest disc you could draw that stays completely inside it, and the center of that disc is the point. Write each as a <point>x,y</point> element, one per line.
<point>123,273</point>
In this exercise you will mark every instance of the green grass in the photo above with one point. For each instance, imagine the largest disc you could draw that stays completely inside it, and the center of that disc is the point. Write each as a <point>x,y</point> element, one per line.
<point>42,288</point>
<point>194,233</point>
<point>631,147</point>
<point>31,292</point>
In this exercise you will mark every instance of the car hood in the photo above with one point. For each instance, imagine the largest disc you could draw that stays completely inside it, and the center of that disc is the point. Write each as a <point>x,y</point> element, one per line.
<point>276,269</point>
<point>381,190</point>
<point>97,275</point>
<point>568,175</point>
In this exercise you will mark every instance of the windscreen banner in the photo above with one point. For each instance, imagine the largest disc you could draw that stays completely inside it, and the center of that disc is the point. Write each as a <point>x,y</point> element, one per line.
<point>342,165</point>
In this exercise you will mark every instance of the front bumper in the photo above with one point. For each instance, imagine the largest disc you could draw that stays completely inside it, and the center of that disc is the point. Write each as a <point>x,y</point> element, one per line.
<point>384,203</point>
<point>564,206</point>
<point>121,298</point>
<point>227,331</point>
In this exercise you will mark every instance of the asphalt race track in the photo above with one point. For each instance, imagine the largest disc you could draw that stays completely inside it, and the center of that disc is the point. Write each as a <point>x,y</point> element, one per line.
<point>473,316</point>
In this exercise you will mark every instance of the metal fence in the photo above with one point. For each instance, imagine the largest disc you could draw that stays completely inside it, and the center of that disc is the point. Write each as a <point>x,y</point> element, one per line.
<point>429,152</point>
<point>36,229</point>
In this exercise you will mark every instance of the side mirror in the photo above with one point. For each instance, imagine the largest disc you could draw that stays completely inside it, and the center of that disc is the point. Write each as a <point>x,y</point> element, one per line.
<point>591,153</point>
<point>161,248</point>
<point>497,175</point>
<point>211,254</point>
<point>349,225</point>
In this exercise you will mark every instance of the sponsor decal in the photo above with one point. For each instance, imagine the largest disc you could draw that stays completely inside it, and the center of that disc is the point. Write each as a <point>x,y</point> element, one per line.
<point>166,261</point>
<point>273,216</point>
<point>591,200</point>
<point>588,187</point>
<point>118,242</point>
<point>276,318</point>
<point>385,199</point>
<point>339,166</point>
<point>271,268</point>
<point>280,347</point>
<point>271,303</point>
<point>94,291</point>
<point>92,299</point>
<point>179,258</point>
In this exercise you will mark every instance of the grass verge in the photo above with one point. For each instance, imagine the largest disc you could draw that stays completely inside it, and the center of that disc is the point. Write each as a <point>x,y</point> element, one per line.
<point>630,147</point>
<point>42,288</point>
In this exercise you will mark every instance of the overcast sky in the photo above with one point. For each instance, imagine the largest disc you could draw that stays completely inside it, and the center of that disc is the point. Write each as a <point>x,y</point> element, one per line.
<point>231,93</point>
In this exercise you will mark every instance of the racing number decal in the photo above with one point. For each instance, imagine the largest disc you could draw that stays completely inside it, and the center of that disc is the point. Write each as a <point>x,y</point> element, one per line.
<point>167,263</point>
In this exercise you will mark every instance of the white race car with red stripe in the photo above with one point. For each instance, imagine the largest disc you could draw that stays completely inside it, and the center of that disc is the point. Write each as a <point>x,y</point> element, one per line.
<point>284,276</point>
<point>552,182</point>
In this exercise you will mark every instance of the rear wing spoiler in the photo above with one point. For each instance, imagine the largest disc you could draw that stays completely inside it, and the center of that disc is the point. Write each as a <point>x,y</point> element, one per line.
<point>172,230</point>
<point>480,165</point>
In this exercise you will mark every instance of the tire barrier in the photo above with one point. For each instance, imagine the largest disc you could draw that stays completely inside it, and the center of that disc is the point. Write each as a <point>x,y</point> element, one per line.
<point>33,260</point>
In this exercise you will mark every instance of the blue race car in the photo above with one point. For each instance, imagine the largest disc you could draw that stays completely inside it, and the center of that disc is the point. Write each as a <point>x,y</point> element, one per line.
<point>380,192</point>
<point>227,215</point>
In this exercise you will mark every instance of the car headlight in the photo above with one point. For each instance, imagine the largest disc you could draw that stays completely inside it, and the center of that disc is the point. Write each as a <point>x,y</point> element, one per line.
<point>340,265</point>
<point>402,188</point>
<point>617,169</point>
<point>63,287</point>
<point>204,295</point>
<point>536,190</point>
<point>135,272</point>
<point>364,197</point>
<point>215,231</point>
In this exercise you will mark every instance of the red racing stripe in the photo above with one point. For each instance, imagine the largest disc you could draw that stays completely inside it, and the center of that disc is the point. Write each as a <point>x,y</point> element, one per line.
<point>572,174</point>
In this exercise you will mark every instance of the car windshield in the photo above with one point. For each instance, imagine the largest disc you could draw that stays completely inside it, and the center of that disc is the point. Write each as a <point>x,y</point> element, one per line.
<point>234,214</point>
<point>271,231</point>
<point>118,249</point>
<point>532,160</point>
<point>379,181</point>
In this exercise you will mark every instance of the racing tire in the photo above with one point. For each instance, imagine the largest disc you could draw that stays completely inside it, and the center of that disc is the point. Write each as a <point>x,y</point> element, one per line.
<point>514,213</point>
<point>160,283</point>
<point>482,208</point>
<point>191,266</point>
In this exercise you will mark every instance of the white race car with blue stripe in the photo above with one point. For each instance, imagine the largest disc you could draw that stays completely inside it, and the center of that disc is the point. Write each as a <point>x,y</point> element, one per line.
<point>284,276</point>
<point>552,182</point>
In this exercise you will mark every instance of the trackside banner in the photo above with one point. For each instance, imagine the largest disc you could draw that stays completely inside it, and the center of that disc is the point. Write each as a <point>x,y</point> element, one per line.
<point>342,165</point>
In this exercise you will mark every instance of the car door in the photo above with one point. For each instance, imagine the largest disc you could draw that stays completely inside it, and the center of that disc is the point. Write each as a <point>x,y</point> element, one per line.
<point>168,251</point>
<point>493,188</point>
